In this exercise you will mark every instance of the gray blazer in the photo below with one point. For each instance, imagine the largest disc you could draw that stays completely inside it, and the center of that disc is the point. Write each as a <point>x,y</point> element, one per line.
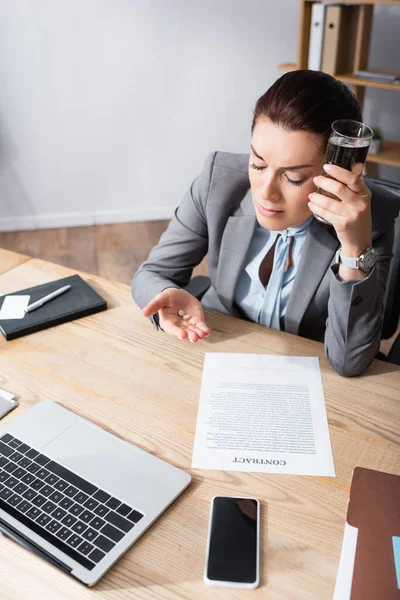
<point>217,217</point>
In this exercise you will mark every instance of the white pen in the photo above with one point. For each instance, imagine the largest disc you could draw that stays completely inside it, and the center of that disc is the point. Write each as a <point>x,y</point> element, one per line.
<point>42,301</point>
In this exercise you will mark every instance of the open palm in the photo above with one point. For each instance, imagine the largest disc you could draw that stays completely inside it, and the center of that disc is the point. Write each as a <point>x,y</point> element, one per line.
<point>170,304</point>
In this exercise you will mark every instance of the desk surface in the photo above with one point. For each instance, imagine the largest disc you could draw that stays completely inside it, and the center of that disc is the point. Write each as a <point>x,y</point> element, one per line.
<point>114,369</point>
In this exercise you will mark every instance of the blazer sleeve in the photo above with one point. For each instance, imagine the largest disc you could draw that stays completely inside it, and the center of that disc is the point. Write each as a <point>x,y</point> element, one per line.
<point>181,247</point>
<point>355,313</point>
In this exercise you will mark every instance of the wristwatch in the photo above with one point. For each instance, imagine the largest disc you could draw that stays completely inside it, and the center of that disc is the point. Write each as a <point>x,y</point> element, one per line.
<point>365,261</point>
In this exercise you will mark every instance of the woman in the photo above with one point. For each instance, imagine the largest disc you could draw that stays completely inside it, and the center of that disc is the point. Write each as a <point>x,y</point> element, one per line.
<point>269,260</point>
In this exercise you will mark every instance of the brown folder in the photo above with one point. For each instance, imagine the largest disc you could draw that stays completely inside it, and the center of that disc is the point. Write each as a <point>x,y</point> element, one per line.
<point>374,509</point>
<point>339,39</point>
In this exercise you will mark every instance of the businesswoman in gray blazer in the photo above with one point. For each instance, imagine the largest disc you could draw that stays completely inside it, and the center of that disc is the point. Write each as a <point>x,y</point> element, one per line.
<point>270,261</point>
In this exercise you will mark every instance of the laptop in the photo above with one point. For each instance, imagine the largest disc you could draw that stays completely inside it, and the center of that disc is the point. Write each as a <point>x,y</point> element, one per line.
<point>76,494</point>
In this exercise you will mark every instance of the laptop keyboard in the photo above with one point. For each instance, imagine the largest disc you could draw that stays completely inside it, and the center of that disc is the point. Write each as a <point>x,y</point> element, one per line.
<point>68,511</point>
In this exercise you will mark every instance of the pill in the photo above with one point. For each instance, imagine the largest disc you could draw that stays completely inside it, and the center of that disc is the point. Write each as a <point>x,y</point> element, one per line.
<point>181,313</point>
<point>186,317</point>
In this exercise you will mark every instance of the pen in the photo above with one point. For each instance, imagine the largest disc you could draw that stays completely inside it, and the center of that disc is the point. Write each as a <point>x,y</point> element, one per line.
<point>42,301</point>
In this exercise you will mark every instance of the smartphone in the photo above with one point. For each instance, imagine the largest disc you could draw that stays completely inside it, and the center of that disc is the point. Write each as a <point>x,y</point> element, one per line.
<point>233,547</point>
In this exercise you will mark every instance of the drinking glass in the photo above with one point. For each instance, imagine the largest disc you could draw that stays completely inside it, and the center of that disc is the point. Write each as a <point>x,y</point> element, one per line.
<point>348,144</point>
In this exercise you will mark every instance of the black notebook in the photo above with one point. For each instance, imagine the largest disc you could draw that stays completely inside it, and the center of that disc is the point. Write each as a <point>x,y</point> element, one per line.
<point>79,301</point>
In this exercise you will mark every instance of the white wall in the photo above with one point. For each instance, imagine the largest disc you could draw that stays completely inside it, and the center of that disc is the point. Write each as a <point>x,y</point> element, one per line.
<point>108,108</point>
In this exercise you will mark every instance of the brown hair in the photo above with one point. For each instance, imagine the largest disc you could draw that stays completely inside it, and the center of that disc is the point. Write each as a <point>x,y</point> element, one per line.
<point>308,101</point>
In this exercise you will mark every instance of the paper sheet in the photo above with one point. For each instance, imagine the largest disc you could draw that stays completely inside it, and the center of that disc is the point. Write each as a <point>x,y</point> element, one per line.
<point>13,307</point>
<point>262,413</point>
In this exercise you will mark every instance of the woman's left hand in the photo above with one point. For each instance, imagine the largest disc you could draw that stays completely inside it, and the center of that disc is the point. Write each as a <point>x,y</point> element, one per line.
<point>351,217</point>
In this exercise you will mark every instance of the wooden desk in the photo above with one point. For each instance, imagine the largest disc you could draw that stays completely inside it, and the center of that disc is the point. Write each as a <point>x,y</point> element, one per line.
<point>9,260</point>
<point>114,369</point>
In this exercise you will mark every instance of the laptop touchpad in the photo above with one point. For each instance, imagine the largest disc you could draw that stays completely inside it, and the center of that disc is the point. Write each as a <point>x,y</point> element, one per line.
<point>104,460</point>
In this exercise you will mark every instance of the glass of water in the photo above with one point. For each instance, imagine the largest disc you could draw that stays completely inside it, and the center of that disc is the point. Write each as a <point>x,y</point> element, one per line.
<point>348,144</point>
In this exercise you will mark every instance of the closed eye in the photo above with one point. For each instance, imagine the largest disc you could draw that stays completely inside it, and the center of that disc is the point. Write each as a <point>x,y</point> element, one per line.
<point>256,167</point>
<point>294,182</point>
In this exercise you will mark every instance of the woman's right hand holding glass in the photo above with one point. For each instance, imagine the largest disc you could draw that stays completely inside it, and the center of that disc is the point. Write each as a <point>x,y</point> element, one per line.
<point>172,305</point>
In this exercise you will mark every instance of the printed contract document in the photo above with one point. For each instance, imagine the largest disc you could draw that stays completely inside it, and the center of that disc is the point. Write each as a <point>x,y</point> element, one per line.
<point>262,413</point>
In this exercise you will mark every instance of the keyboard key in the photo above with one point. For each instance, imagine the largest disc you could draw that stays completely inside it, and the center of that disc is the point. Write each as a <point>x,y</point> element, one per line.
<point>42,473</point>
<point>79,527</point>
<point>48,507</point>
<point>41,459</point>
<point>6,450</point>
<point>37,484</point>
<point>53,526</point>
<point>74,540</point>
<point>66,503</point>
<point>91,503</point>
<point>14,443</point>
<point>101,496</point>
<point>25,462</point>
<point>58,514</point>
<point>14,500</point>
<point>16,456</point>
<point>96,555</point>
<point>51,479</point>
<point>11,482</point>
<point>103,543</point>
<point>101,510</point>
<point>56,497</point>
<point>3,461</point>
<point>73,479</point>
<point>71,491</point>
<point>114,534</point>
<point>124,510</point>
<point>81,497</point>
<point>39,500</point>
<point>23,448</point>
<point>43,520</point>
<point>97,523</point>
<point>90,534</point>
<point>28,478</point>
<point>10,467</point>
<point>86,516</point>
<point>85,548</point>
<point>24,506</point>
<point>6,493</point>
<point>19,472</point>
<point>32,468</point>
<point>33,512</point>
<point>32,453</point>
<point>20,488</point>
<point>6,438</point>
<point>76,509</point>
<point>47,490</point>
<point>69,520</point>
<point>29,494</point>
<point>119,521</point>
<point>63,533</point>
<point>4,476</point>
<point>135,516</point>
<point>61,485</point>
<point>113,503</point>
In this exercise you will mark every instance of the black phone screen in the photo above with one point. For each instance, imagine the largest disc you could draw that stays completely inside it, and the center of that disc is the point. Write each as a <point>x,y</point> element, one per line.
<point>232,554</point>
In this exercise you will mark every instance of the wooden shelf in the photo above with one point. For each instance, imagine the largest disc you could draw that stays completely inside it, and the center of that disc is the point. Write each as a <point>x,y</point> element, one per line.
<point>391,2</point>
<point>348,78</point>
<point>389,155</point>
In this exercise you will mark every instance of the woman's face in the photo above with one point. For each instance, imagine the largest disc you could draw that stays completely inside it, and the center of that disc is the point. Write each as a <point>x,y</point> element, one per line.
<point>281,170</point>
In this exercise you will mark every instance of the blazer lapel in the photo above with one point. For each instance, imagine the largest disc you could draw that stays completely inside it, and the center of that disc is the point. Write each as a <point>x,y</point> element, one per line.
<point>319,249</point>
<point>235,243</point>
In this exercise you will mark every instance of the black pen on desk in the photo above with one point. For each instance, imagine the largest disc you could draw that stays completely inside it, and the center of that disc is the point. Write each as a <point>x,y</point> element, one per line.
<point>47,298</point>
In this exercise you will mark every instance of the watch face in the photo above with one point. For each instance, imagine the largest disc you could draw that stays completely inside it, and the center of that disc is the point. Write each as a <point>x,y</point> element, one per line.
<point>368,261</point>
